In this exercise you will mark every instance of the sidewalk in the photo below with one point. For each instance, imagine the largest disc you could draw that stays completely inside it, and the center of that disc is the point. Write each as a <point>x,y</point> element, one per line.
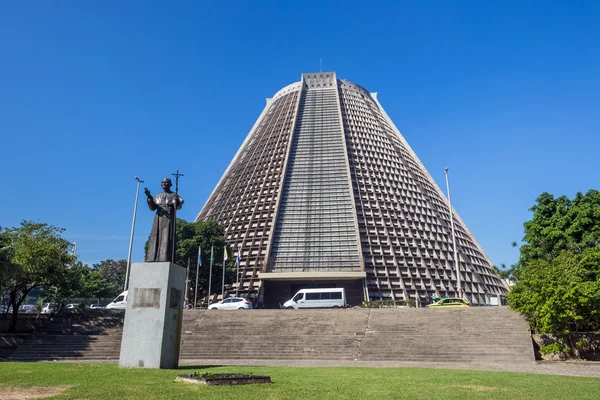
<point>570,368</point>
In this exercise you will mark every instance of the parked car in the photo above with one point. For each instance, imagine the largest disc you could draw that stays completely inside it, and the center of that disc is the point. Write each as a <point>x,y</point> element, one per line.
<point>232,303</point>
<point>97,307</point>
<point>453,302</point>
<point>49,308</point>
<point>317,298</point>
<point>72,305</point>
<point>119,303</point>
<point>28,309</point>
<point>4,309</point>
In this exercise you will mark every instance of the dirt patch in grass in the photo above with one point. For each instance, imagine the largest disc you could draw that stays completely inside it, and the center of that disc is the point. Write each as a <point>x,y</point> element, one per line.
<point>478,388</point>
<point>30,393</point>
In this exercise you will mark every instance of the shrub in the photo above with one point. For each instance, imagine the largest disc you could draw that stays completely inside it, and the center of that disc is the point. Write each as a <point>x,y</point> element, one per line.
<point>584,344</point>
<point>411,303</point>
<point>554,348</point>
<point>378,304</point>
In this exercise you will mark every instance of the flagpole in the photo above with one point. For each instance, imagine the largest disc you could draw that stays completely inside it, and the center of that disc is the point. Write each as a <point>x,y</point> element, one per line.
<point>187,284</point>
<point>210,276</point>
<point>197,271</point>
<point>223,284</point>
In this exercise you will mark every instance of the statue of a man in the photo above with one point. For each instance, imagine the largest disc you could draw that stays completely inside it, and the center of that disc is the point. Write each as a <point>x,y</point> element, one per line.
<point>160,245</point>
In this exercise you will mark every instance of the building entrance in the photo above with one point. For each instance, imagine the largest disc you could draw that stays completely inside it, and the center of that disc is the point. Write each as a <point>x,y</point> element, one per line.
<point>277,292</point>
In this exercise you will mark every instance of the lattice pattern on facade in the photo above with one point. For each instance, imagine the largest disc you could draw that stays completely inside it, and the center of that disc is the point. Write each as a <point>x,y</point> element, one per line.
<point>402,216</point>
<point>315,228</point>
<point>244,201</point>
<point>404,222</point>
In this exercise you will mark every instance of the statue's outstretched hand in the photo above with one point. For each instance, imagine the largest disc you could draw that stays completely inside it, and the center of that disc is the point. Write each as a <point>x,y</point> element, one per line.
<point>147,193</point>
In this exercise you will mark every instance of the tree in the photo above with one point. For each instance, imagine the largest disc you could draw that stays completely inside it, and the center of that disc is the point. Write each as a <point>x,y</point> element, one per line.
<point>42,257</point>
<point>107,278</point>
<point>95,286</point>
<point>558,274</point>
<point>70,284</point>
<point>204,234</point>
<point>505,272</point>
<point>9,271</point>
<point>561,296</point>
<point>561,224</point>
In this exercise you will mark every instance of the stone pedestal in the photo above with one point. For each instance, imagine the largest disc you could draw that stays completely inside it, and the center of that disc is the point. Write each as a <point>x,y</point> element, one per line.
<point>154,316</point>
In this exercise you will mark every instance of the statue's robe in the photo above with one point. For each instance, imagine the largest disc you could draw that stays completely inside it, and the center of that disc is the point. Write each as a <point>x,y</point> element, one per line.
<point>160,244</point>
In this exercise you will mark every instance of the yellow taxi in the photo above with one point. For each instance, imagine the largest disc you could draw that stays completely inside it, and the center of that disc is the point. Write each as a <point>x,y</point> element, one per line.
<point>453,302</point>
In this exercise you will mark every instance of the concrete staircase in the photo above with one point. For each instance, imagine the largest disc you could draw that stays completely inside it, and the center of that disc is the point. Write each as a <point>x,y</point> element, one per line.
<point>90,335</point>
<point>477,334</point>
<point>276,335</point>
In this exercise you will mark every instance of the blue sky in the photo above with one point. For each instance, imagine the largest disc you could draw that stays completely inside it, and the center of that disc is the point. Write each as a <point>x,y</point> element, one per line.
<point>505,94</point>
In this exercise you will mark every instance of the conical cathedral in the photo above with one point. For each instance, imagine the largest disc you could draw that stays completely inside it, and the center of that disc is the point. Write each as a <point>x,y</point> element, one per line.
<point>326,192</point>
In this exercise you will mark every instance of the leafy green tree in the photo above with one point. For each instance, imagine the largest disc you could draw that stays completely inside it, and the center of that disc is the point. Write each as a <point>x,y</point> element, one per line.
<point>70,284</point>
<point>505,272</point>
<point>96,286</point>
<point>558,274</point>
<point>102,280</point>
<point>562,295</point>
<point>9,271</point>
<point>42,256</point>
<point>204,234</point>
<point>108,278</point>
<point>561,224</point>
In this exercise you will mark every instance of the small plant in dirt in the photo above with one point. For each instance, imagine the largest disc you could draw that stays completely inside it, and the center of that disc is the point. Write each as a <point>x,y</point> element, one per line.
<point>555,350</point>
<point>378,304</point>
<point>210,375</point>
<point>584,344</point>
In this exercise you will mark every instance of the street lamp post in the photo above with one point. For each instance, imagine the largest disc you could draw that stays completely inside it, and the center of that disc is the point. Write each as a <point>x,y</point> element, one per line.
<point>137,192</point>
<point>458,288</point>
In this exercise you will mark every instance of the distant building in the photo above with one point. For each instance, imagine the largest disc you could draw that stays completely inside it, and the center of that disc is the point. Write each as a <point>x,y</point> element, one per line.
<point>326,192</point>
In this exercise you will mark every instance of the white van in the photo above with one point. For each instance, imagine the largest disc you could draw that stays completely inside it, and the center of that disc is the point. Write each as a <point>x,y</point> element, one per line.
<point>119,303</point>
<point>317,298</point>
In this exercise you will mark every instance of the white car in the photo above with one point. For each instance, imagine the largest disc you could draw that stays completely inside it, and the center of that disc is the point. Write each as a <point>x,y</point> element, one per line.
<point>317,298</point>
<point>97,307</point>
<point>232,303</point>
<point>119,303</point>
<point>72,305</point>
<point>49,308</point>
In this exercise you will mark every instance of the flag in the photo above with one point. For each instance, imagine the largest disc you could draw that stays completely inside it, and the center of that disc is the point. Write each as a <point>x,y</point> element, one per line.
<point>199,255</point>
<point>212,256</point>
<point>239,257</point>
<point>225,255</point>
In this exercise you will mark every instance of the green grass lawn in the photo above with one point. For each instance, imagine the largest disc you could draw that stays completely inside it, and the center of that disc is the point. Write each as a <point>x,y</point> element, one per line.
<point>106,381</point>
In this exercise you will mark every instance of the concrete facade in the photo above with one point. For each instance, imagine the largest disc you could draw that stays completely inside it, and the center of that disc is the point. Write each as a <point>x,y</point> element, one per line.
<point>325,183</point>
<point>154,316</point>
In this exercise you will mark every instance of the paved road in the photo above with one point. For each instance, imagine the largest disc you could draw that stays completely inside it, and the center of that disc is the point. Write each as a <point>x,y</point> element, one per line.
<point>570,368</point>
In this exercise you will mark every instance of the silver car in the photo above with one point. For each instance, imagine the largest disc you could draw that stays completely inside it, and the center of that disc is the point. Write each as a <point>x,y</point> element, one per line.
<point>232,303</point>
<point>28,309</point>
